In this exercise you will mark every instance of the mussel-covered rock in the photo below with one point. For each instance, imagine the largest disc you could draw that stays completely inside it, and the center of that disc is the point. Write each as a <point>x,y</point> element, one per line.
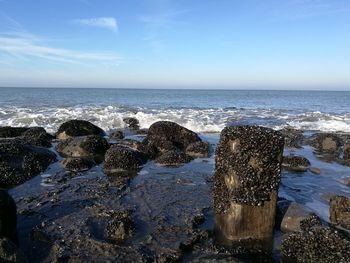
<point>11,132</point>
<point>339,211</point>
<point>119,227</point>
<point>116,135</point>
<point>9,253</point>
<point>295,163</point>
<point>298,218</point>
<point>74,128</point>
<point>37,136</point>
<point>132,123</point>
<point>198,150</point>
<point>173,158</point>
<point>169,136</point>
<point>92,146</point>
<point>293,138</point>
<point>328,143</point>
<point>123,158</point>
<point>8,216</point>
<point>77,164</point>
<point>20,161</point>
<point>317,244</point>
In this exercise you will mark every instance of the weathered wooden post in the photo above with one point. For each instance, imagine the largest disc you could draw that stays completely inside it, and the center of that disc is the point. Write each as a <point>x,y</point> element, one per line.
<point>247,177</point>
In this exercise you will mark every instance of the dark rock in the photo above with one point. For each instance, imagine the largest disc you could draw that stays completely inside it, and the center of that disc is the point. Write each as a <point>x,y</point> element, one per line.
<point>198,150</point>
<point>253,155</point>
<point>295,163</point>
<point>37,136</point>
<point>116,135</point>
<point>8,216</point>
<point>293,138</point>
<point>346,181</point>
<point>318,244</point>
<point>120,227</point>
<point>328,143</point>
<point>298,217</point>
<point>141,132</point>
<point>346,152</point>
<point>9,252</point>
<point>135,145</point>
<point>339,211</point>
<point>74,128</point>
<point>92,146</point>
<point>281,209</point>
<point>169,136</point>
<point>123,158</point>
<point>78,164</point>
<point>11,132</point>
<point>173,158</point>
<point>132,123</point>
<point>20,161</point>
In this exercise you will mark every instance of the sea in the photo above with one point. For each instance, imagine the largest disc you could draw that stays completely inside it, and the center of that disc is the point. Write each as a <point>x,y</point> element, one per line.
<point>203,111</point>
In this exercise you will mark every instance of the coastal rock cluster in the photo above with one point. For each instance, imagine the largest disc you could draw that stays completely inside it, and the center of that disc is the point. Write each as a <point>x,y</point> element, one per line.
<point>89,213</point>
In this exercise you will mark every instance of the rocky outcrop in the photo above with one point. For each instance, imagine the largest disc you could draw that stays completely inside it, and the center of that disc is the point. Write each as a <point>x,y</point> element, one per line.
<point>298,218</point>
<point>74,128</point>
<point>9,253</point>
<point>8,216</point>
<point>317,244</point>
<point>169,136</point>
<point>339,211</point>
<point>77,164</point>
<point>120,227</point>
<point>116,135</point>
<point>20,161</point>
<point>173,158</point>
<point>327,143</point>
<point>11,132</point>
<point>132,123</point>
<point>295,163</point>
<point>37,136</point>
<point>92,146</point>
<point>122,158</point>
<point>198,150</point>
<point>293,138</point>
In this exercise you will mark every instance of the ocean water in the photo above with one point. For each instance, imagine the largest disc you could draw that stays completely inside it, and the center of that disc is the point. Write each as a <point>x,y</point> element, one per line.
<point>200,110</point>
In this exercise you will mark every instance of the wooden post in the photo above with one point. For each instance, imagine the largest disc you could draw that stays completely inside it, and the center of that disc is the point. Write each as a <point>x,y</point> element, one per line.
<point>248,165</point>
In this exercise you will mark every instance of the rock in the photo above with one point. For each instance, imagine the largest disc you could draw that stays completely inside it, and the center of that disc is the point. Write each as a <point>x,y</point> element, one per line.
<point>298,217</point>
<point>247,176</point>
<point>37,136</point>
<point>135,145</point>
<point>295,163</point>
<point>74,128</point>
<point>169,136</point>
<point>141,132</point>
<point>132,123</point>
<point>120,227</point>
<point>327,143</point>
<point>11,132</point>
<point>77,164</point>
<point>315,170</point>
<point>9,252</point>
<point>198,150</point>
<point>319,244</point>
<point>346,181</point>
<point>116,135</point>
<point>293,138</point>
<point>346,152</point>
<point>92,146</point>
<point>173,158</point>
<point>339,211</point>
<point>8,216</point>
<point>123,158</point>
<point>20,161</point>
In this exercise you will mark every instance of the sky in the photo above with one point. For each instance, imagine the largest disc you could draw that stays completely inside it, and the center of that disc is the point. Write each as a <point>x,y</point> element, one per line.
<point>301,44</point>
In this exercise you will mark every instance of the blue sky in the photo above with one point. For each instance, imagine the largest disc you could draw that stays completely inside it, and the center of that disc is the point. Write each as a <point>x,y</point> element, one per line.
<point>175,43</point>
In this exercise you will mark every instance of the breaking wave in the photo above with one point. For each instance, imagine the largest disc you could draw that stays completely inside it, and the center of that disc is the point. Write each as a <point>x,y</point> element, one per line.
<point>203,120</point>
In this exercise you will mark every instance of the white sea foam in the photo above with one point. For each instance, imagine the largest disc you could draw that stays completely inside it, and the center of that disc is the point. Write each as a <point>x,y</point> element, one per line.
<point>196,119</point>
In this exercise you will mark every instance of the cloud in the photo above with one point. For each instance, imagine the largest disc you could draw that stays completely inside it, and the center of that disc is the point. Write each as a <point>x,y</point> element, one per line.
<point>109,23</point>
<point>23,47</point>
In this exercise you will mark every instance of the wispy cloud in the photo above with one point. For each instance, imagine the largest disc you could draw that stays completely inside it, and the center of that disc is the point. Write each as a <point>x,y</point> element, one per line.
<point>157,24</point>
<point>109,23</point>
<point>24,47</point>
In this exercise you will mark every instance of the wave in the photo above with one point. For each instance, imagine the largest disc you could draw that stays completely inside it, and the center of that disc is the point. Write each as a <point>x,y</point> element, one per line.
<point>197,119</point>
